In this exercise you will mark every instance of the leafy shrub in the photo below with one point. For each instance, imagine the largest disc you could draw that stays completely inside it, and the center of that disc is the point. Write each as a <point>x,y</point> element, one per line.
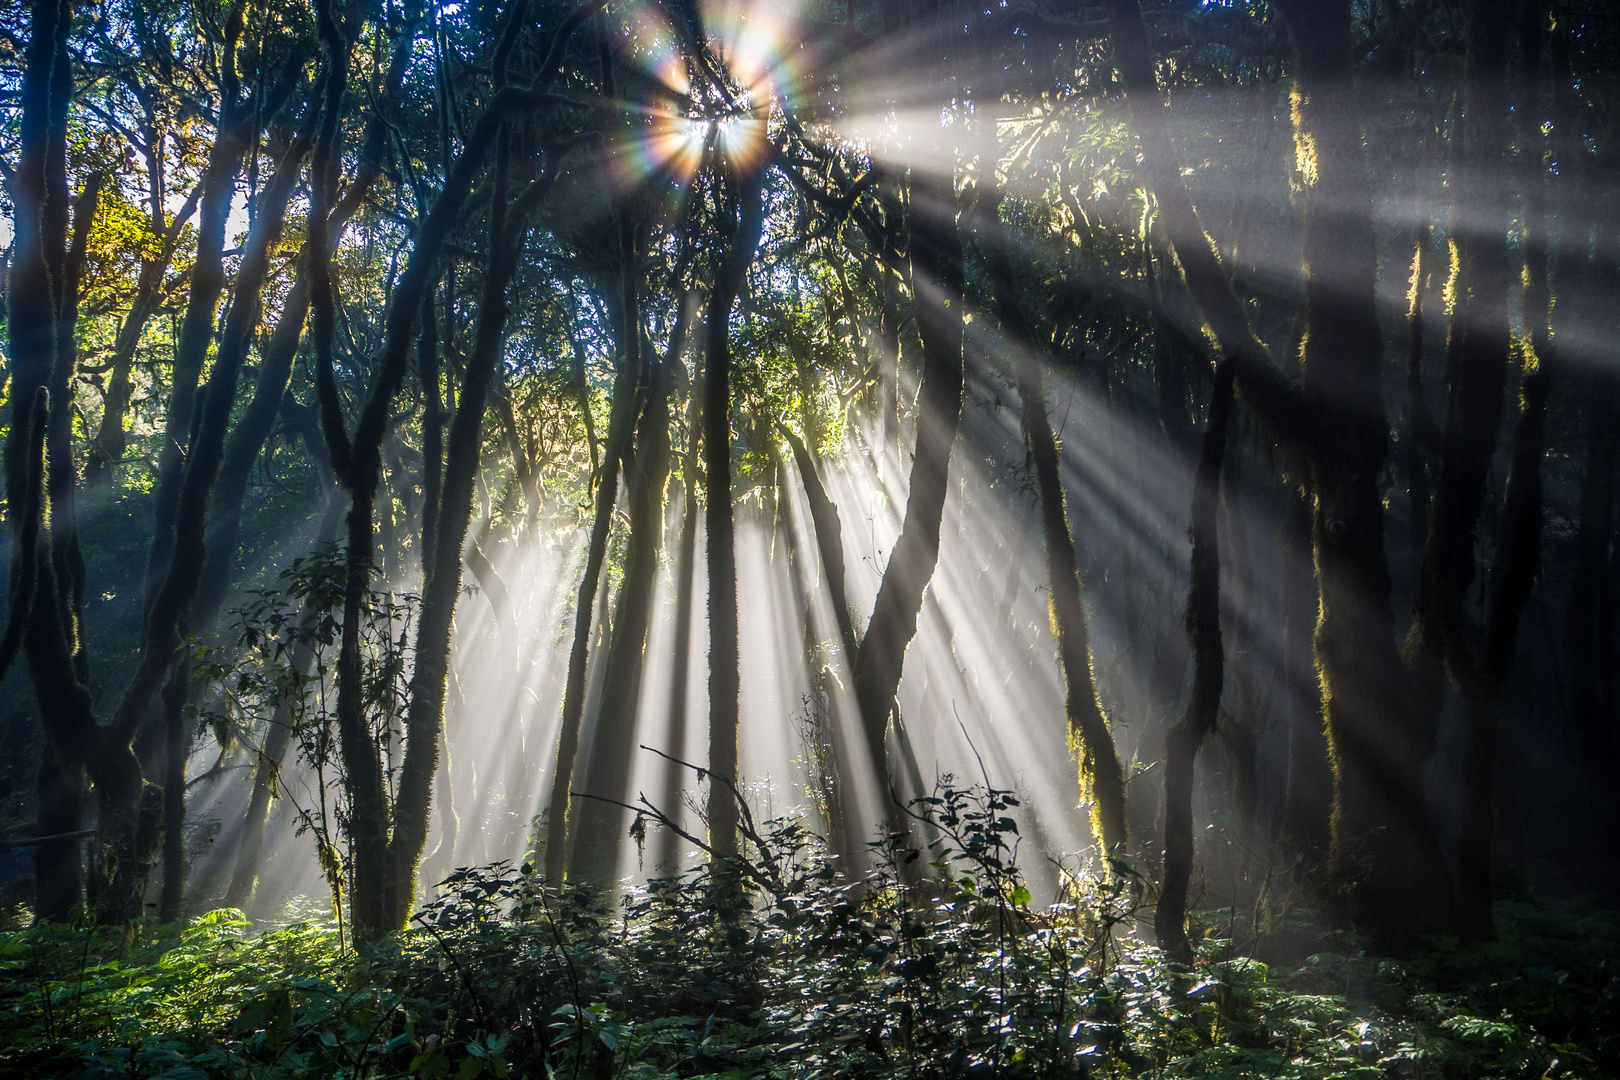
<point>794,973</point>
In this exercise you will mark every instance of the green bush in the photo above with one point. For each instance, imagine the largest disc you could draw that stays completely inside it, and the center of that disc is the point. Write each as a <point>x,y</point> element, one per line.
<point>797,973</point>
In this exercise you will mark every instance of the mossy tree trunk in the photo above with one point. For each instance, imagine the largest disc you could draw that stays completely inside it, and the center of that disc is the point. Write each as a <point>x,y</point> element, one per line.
<point>1336,420</point>
<point>45,601</point>
<point>1102,779</point>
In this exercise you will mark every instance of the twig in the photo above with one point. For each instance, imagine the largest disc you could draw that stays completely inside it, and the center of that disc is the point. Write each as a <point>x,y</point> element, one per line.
<point>10,845</point>
<point>748,828</point>
<point>768,882</point>
<point>984,772</point>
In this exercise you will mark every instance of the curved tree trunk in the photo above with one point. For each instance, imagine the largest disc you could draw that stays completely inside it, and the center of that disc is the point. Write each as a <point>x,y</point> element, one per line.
<point>176,749</point>
<point>1477,355</point>
<point>937,276</point>
<point>1308,798</point>
<point>888,425</point>
<point>1419,434</point>
<point>829,540</point>
<point>829,536</point>
<point>1384,850</point>
<point>237,127</point>
<point>357,461</point>
<point>1337,420</point>
<point>241,453</point>
<point>253,429</point>
<point>1518,553</point>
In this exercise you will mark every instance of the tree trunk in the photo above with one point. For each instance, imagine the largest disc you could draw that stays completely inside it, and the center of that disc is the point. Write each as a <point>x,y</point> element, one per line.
<point>43,614</point>
<point>62,472</point>
<point>169,608</point>
<point>1308,800</point>
<point>829,532</point>
<point>425,718</point>
<point>237,127</point>
<point>1518,553</point>
<point>358,463</point>
<point>253,430</point>
<point>1337,419</point>
<point>937,276</point>
<point>621,420</point>
<point>1420,434</point>
<point>1384,851</point>
<point>176,749</point>
<point>724,677</point>
<point>1102,780</point>
<point>829,537</point>
<point>433,417</point>
<point>1477,353</point>
<point>669,844</point>
<point>888,425</point>
<point>1518,548</point>
<point>1203,624</point>
<point>595,848</point>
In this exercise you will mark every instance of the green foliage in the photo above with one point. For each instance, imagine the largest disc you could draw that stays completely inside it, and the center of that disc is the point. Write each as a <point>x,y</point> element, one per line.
<point>816,976</point>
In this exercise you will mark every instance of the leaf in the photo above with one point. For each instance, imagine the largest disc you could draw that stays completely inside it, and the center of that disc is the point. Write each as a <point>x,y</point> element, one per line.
<point>1021,897</point>
<point>431,1065</point>
<point>470,1068</point>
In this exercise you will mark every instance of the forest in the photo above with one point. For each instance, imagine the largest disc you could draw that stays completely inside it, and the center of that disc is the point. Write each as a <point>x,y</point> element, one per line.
<point>810,539</point>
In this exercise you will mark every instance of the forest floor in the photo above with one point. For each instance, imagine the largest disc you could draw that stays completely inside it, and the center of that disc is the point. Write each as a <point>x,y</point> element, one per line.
<point>954,976</point>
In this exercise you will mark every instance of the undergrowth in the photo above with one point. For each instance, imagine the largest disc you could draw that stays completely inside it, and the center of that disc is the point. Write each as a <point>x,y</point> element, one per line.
<point>796,973</point>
